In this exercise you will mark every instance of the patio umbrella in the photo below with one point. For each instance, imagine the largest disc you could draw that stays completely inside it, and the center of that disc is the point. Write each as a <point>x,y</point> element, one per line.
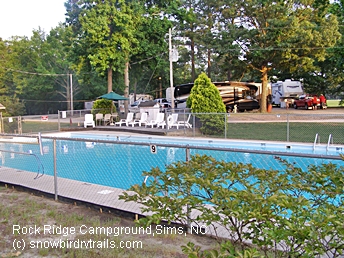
<point>112,96</point>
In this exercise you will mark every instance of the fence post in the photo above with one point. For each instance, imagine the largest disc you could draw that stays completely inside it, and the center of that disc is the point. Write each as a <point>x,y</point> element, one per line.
<point>58,121</point>
<point>193,125</point>
<point>188,211</point>
<point>20,129</point>
<point>55,171</point>
<point>184,127</point>
<point>288,128</point>
<point>225,125</point>
<point>1,124</point>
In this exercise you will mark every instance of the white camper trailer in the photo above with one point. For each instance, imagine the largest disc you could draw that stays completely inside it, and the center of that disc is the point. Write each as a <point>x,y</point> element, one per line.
<point>284,93</point>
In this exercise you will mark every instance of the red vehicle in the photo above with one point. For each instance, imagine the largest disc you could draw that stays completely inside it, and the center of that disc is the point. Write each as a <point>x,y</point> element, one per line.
<point>306,102</point>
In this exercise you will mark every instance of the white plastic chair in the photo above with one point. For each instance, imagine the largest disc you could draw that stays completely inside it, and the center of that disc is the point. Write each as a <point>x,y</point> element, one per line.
<point>158,121</point>
<point>173,121</point>
<point>142,120</point>
<point>126,121</point>
<point>89,120</point>
<point>99,117</point>
<point>107,119</point>
<point>186,123</point>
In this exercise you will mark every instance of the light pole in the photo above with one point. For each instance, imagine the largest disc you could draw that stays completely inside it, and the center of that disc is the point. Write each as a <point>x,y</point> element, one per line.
<point>173,56</point>
<point>171,66</point>
<point>71,93</point>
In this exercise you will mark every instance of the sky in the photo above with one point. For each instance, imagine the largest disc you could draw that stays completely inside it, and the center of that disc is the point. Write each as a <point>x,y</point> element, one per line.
<point>20,17</point>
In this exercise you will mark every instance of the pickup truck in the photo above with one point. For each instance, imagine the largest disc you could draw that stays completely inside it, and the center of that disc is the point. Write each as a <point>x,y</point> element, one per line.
<point>305,101</point>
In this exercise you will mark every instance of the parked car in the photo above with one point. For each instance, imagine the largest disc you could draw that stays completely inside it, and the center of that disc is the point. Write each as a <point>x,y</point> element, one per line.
<point>165,107</point>
<point>164,104</point>
<point>161,101</point>
<point>306,101</point>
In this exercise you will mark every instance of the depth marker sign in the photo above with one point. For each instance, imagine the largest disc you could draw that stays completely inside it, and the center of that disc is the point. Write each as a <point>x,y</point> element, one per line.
<point>153,149</point>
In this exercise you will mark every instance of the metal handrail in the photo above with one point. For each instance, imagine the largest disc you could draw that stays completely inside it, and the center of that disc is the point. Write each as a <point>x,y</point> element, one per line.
<point>330,140</point>
<point>315,140</point>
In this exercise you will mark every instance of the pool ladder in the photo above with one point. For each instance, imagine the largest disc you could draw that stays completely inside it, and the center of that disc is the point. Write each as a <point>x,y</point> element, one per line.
<point>330,141</point>
<point>317,138</point>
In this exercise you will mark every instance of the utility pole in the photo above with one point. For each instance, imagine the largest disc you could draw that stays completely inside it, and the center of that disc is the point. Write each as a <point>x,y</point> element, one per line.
<point>71,93</point>
<point>160,87</point>
<point>171,67</point>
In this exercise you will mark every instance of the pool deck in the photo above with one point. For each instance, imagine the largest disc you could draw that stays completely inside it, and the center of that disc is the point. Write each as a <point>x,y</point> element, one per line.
<point>68,189</point>
<point>182,131</point>
<point>103,198</point>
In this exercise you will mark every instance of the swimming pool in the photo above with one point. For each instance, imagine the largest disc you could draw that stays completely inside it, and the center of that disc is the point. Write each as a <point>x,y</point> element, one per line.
<point>96,159</point>
<point>289,147</point>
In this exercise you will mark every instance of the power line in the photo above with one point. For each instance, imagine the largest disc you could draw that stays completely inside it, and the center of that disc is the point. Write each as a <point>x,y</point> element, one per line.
<point>67,74</point>
<point>54,101</point>
<point>43,74</point>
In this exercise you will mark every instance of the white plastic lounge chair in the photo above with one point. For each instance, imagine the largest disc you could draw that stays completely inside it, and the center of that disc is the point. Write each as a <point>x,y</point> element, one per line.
<point>107,119</point>
<point>185,123</point>
<point>159,120</point>
<point>142,120</point>
<point>99,117</point>
<point>89,120</point>
<point>173,121</point>
<point>137,117</point>
<point>135,120</point>
<point>126,121</point>
<point>163,122</point>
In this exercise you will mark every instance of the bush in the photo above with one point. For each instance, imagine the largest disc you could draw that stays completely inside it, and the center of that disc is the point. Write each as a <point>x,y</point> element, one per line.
<point>205,98</point>
<point>103,106</point>
<point>290,213</point>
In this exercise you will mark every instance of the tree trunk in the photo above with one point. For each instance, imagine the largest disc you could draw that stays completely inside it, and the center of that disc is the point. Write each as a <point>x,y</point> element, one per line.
<point>126,89</point>
<point>209,63</point>
<point>160,88</point>
<point>263,96</point>
<point>193,69</point>
<point>109,79</point>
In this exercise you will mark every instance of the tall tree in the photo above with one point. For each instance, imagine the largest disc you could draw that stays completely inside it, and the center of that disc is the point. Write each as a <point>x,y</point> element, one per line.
<point>109,33</point>
<point>283,34</point>
<point>8,92</point>
<point>328,74</point>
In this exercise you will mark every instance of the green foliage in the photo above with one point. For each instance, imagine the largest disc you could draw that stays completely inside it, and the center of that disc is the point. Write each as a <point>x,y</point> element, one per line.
<point>227,250</point>
<point>294,212</point>
<point>103,106</point>
<point>245,42</point>
<point>205,98</point>
<point>13,106</point>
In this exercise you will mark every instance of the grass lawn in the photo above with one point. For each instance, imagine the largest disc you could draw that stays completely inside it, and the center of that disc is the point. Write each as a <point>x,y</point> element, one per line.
<point>298,132</point>
<point>36,126</point>
<point>267,131</point>
<point>20,211</point>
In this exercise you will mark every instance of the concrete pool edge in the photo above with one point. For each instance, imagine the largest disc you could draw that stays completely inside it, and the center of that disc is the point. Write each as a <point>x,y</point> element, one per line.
<point>280,147</point>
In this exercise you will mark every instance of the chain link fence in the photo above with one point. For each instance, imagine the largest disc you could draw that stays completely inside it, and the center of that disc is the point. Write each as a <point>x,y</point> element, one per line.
<point>43,123</point>
<point>307,127</point>
<point>97,171</point>
<point>116,163</point>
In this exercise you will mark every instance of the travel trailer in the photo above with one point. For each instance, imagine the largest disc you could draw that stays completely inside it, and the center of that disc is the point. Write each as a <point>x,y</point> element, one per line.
<point>284,93</point>
<point>243,95</point>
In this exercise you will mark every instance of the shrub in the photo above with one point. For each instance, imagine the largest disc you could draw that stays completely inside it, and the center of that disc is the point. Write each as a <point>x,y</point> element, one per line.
<point>103,106</point>
<point>205,98</point>
<point>292,213</point>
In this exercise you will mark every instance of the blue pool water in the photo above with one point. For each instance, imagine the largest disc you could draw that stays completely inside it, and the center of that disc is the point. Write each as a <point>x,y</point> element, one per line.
<point>121,165</point>
<point>224,143</point>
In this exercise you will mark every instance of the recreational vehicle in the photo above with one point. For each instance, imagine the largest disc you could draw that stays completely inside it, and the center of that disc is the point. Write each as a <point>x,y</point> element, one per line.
<point>284,93</point>
<point>243,95</point>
